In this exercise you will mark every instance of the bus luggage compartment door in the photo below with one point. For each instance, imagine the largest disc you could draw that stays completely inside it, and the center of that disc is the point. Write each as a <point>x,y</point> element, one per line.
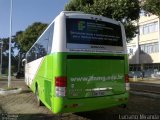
<point>95,76</point>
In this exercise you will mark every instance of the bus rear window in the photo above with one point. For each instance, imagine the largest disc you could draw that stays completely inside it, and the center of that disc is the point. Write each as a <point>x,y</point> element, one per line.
<point>85,31</point>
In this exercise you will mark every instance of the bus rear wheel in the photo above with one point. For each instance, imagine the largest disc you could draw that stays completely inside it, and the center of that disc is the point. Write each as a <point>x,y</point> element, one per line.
<point>39,103</point>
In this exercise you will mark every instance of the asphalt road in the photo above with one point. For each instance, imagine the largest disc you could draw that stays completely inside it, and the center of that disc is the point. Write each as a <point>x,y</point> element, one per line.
<point>23,107</point>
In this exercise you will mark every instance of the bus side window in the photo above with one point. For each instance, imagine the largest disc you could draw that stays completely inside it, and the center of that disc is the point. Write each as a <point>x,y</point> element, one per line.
<point>33,54</point>
<point>42,45</point>
<point>51,33</point>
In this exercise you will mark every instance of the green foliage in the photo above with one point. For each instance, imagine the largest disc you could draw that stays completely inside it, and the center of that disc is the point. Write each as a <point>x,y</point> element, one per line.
<point>26,38</point>
<point>22,41</point>
<point>152,6</point>
<point>78,5</point>
<point>6,45</point>
<point>5,55</point>
<point>125,11</point>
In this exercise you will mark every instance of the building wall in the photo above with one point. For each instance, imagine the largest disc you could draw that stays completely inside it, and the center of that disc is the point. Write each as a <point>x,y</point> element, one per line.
<point>144,48</point>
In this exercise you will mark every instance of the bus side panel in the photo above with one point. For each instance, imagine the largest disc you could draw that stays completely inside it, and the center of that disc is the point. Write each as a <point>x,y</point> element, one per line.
<point>43,79</point>
<point>52,65</point>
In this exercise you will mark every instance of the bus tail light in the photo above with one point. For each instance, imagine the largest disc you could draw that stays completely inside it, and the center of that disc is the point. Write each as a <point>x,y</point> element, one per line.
<point>60,86</point>
<point>127,82</point>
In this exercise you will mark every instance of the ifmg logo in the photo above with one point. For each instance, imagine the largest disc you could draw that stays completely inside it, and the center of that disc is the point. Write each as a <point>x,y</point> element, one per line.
<point>81,25</point>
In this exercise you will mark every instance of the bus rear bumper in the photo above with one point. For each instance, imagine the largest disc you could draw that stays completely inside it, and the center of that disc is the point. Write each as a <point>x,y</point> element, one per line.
<point>64,105</point>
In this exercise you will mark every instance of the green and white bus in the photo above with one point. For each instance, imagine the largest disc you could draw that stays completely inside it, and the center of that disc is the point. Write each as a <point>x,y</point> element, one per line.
<point>79,63</point>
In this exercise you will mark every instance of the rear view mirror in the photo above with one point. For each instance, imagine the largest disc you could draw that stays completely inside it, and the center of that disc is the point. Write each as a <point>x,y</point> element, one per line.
<point>23,62</point>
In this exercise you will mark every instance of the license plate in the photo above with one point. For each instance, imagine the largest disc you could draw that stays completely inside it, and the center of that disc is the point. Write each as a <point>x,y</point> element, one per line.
<point>98,93</point>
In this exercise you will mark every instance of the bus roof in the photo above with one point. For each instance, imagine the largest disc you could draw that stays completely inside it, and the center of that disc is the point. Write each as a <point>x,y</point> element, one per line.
<point>91,16</point>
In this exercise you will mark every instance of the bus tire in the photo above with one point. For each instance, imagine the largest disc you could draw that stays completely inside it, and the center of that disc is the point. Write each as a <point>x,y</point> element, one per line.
<point>39,103</point>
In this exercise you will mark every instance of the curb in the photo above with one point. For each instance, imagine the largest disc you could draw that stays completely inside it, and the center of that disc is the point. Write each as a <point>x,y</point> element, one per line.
<point>146,94</point>
<point>8,92</point>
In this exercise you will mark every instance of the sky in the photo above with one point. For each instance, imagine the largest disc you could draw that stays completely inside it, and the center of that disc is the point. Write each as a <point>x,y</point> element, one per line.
<point>26,12</point>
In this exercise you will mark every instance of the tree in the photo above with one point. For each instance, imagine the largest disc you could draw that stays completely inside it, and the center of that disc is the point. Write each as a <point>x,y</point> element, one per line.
<point>21,42</point>
<point>152,6</point>
<point>25,39</point>
<point>5,55</point>
<point>125,11</point>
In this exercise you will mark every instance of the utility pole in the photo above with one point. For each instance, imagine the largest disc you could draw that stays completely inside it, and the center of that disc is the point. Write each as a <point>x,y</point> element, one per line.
<point>10,39</point>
